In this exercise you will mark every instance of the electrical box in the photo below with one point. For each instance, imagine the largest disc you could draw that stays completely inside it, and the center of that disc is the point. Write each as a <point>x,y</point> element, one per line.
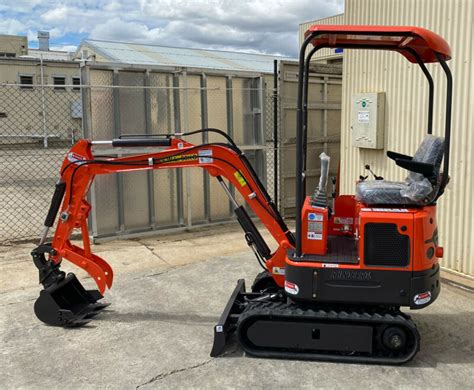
<point>368,120</point>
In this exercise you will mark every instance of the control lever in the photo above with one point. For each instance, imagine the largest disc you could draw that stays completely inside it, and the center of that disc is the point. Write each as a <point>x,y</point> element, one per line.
<point>370,170</point>
<point>320,198</point>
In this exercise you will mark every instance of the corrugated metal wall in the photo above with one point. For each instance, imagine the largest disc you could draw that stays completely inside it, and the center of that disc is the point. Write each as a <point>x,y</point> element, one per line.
<point>406,104</point>
<point>326,52</point>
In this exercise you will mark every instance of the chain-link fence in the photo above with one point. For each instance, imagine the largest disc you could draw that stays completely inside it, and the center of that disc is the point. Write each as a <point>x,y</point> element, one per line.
<point>272,138</point>
<point>37,126</point>
<point>39,123</point>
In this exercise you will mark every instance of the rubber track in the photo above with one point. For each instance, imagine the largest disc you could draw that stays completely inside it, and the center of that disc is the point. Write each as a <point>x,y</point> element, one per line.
<point>379,318</point>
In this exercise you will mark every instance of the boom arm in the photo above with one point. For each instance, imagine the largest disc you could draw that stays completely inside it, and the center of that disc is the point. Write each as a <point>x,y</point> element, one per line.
<point>221,160</point>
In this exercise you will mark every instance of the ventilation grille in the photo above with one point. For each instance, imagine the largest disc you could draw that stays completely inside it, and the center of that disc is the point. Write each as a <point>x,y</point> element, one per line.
<point>384,245</point>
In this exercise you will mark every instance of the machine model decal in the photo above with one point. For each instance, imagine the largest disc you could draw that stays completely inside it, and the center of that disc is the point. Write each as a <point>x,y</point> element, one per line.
<point>330,265</point>
<point>385,210</point>
<point>204,156</point>
<point>350,275</point>
<point>182,157</point>
<point>421,299</point>
<point>291,288</point>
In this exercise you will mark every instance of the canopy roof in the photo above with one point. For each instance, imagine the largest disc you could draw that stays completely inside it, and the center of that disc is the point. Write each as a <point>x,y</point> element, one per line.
<point>403,39</point>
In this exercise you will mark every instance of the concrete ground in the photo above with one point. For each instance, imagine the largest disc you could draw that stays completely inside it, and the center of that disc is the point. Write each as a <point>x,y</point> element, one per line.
<point>168,293</point>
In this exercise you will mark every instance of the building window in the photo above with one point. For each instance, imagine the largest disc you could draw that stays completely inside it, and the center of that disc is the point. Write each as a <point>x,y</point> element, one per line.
<point>26,81</point>
<point>76,81</point>
<point>59,82</point>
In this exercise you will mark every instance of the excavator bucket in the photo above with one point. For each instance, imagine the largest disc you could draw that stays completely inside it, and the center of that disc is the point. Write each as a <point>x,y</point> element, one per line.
<point>67,303</point>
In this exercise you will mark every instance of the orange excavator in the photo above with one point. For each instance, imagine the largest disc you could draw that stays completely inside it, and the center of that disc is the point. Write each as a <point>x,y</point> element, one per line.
<point>332,290</point>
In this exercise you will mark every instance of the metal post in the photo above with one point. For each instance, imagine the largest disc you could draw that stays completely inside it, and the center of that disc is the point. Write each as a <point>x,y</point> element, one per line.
<point>300,174</point>
<point>189,204</point>
<point>86,101</point>
<point>325,113</point>
<point>261,169</point>
<point>43,104</point>
<point>275,132</point>
<point>117,132</point>
<point>150,174</point>
<point>205,140</point>
<point>177,127</point>
<point>85,88</point>
<point>447,119</point>
<point>230,126</point>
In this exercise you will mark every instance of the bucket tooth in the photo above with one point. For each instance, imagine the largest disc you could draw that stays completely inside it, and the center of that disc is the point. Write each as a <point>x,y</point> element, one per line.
<point>94,309</point>
<point>94,295</point>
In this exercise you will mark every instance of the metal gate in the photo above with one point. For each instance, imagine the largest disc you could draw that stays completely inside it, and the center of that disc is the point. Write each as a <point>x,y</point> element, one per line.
<point>121,101</point>
<point>324,126</point>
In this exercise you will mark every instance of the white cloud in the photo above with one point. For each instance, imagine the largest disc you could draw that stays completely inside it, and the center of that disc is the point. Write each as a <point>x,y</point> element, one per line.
<point>117,29</point>
<point>58,14</point>
<point>269,26</point>
<point>11,27</point>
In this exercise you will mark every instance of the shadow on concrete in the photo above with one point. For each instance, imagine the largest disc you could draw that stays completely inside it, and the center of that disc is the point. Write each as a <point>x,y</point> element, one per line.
<point>149,315</point>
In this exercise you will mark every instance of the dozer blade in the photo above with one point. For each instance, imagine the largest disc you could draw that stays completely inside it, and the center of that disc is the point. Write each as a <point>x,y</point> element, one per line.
<point>67,303</point>
<point>228,319</point>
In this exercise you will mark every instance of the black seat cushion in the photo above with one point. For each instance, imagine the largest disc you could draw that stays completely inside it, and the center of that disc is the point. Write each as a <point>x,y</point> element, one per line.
<point>430,151</point>
<point>382,192</point>
<point>415,190</point>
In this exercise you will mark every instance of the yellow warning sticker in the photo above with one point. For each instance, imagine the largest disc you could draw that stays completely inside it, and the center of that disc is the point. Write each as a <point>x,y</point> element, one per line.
<point>240,178</point>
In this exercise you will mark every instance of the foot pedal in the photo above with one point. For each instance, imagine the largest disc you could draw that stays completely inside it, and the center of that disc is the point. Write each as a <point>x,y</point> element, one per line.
<point>67,303</point>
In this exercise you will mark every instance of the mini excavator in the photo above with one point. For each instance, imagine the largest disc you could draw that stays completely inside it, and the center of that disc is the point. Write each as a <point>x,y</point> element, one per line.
<point>333,289</point>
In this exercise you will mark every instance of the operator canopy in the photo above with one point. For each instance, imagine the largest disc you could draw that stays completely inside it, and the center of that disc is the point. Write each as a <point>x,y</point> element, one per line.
<point>407,40</point>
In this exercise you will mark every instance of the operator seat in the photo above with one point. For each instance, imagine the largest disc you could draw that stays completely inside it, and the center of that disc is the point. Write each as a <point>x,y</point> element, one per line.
<point>420,187</point>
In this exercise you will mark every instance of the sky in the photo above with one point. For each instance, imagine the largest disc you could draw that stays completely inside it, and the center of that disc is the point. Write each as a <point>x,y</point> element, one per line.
<point>258,26</point>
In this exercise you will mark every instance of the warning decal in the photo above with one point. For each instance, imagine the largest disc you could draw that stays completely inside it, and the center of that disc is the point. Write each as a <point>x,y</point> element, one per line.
<point>343,220</point>
<point>74,157</point>
<point>315,236</point>
<point>240,178</point>
<point>291,288</point>
<point>315,217</point>
<point>421,299</point>
<point>278,271</point>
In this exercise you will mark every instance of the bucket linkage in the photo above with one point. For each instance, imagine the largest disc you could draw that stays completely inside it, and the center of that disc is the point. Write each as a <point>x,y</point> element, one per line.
<point>63,301</point>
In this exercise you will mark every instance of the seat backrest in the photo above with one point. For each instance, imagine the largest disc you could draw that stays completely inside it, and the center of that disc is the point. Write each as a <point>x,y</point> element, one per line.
<point>430,151</point>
